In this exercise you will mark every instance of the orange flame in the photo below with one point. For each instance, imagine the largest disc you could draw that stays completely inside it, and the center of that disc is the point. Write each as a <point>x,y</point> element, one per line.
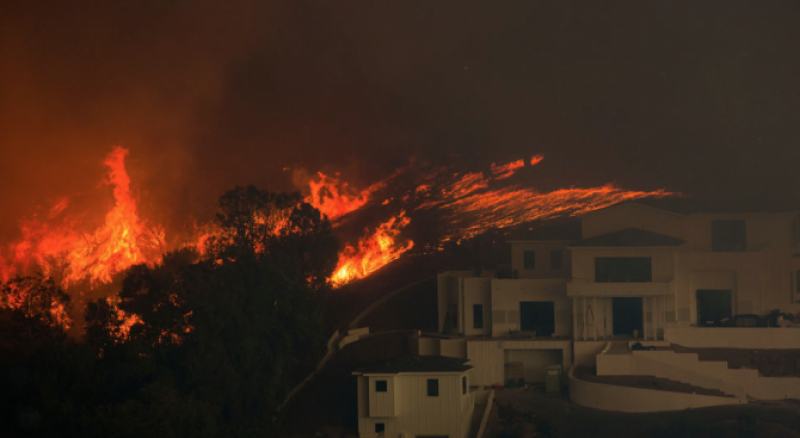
<point>335,198</point>
<point>506,170</point>
<point>536,159</point>
<point>123,240</point>
<point>374,251</point>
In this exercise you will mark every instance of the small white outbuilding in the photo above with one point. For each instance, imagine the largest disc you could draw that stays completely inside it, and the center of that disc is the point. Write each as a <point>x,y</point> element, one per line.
<point>415,397</point>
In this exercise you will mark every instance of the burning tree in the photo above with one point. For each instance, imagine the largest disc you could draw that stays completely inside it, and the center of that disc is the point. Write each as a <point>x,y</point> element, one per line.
<point>233,330</point>
<point>37,305</point>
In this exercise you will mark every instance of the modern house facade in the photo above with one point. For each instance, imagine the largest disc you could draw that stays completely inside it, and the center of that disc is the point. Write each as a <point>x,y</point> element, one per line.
<point>638,274</point>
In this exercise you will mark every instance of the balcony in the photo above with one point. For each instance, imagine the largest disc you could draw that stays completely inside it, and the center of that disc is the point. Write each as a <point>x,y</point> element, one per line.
<point>583,288</point>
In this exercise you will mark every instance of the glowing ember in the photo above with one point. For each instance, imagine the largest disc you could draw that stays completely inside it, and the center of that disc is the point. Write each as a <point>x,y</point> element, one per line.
<point>373,252</point>
<point>62,249</point>
<point>506,170</point>
<point>536,159</point>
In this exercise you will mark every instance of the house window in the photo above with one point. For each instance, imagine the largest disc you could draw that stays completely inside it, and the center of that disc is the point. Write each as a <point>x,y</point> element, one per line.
<point>555,260</point>
<point>538,316</point>
<point>623,270</point>
<point>433,387</point>
<point>728,235</point>
<point>380,427</point>
<point>529,260</point>
<point>464,384</point>
<point>477,316</point>
<point>380,386</point>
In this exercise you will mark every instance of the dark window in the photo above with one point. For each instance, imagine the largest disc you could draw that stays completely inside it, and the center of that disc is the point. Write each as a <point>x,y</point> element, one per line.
<point>538,316</point>
<point>714,308</point>
<point>728,235</point>
<point>529,259</point>
<point>379,427</point>
<point>464,385</point>
<point>433,387</point>
<point>623,270</point>
<point>477,316</point>
<point>555,260</point>
<point>380,386</point>
<point>627,315</point>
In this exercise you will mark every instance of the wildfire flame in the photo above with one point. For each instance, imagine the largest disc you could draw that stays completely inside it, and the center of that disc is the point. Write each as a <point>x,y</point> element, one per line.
<point>468,203</point>
<point>374,251</point>
<point>63,249</point>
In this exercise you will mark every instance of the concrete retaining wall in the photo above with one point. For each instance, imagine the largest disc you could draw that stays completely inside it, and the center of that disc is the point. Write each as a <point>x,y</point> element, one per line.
<point>627,399</point>
<point>686,368</point>
<point>734,337</point>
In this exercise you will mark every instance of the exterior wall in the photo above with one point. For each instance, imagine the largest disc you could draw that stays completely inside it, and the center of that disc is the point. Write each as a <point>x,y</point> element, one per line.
<point>476,291</point>
<point>740,337</point>
<point>489,357</point>
<point>417,413</point>
<point>488,362</point>
<point>382,404</point>
<point>460,290</point>
<point>507,294</point>
<point>543,269</point>
<point>626,399</point>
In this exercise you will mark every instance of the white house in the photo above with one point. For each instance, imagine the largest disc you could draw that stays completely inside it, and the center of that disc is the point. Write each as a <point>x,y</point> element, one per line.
<point>415,396</point>
<point>638,273</point>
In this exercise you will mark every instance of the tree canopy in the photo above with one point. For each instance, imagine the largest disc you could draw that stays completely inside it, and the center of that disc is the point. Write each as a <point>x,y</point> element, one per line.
<point>198,345</point>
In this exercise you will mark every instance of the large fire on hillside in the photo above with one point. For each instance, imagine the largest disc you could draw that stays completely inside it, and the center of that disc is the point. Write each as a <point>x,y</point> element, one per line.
<point>58,245</point>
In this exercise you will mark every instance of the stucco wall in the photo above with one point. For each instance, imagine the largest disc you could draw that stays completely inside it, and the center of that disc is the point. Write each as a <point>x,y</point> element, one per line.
<point>476,290</point>
<point>542,257</point>
<point>416,412</point>
<point>507,294</point>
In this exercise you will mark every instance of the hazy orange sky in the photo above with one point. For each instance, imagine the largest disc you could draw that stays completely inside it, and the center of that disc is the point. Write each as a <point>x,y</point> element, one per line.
<point>697,97</point>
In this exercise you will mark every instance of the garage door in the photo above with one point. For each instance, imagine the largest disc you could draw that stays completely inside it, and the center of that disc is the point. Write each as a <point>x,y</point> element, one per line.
<point>533,362</point>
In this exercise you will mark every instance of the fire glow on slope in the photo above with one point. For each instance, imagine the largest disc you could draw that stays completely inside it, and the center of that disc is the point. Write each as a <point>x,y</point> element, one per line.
<point>374,251</point>
<point>469,206</point>
<point>63,250</point>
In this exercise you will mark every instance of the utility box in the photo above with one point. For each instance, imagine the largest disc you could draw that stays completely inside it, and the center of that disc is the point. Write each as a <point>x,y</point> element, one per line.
<point>553,379</point>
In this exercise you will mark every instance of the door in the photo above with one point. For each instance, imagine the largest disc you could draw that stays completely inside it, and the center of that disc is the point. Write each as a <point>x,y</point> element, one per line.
<point>627,315</point>
<point>538,316</point>
<point>714,307</point>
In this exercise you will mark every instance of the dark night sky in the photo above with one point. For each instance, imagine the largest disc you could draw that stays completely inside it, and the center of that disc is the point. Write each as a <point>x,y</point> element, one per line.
<point>699,97</point>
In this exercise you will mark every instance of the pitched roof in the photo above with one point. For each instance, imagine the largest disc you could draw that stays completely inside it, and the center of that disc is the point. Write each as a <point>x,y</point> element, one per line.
<point>631,237</point>
<point>412,364</point>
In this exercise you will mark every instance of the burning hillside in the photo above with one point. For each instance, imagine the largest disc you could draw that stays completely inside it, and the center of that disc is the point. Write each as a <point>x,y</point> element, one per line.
<point>59,244</point>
